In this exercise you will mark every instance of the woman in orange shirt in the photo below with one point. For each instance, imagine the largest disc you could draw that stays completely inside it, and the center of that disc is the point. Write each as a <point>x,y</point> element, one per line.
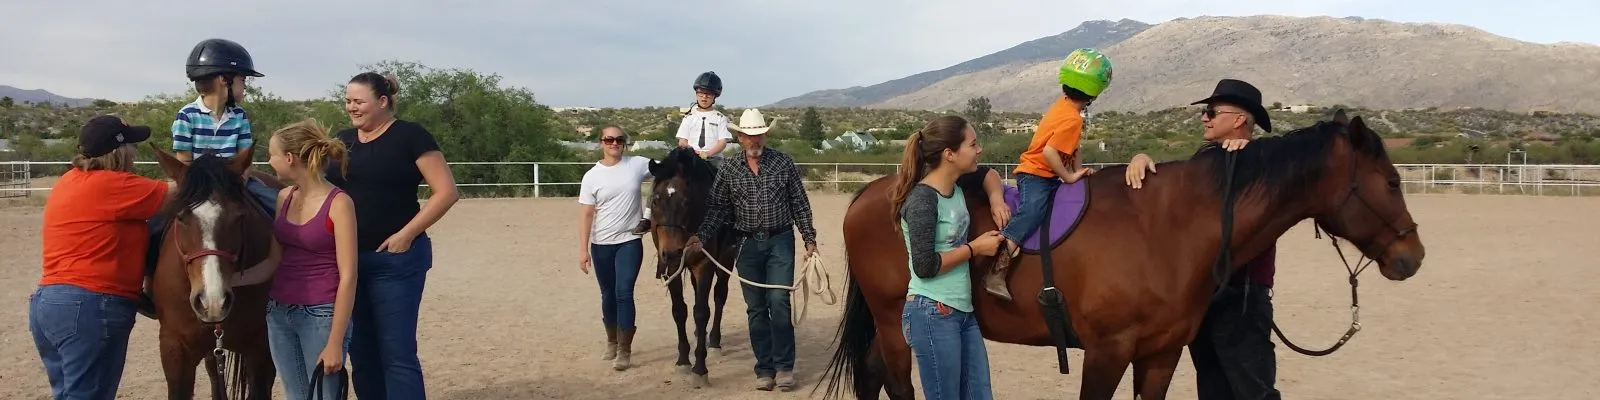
<point>95,237</point>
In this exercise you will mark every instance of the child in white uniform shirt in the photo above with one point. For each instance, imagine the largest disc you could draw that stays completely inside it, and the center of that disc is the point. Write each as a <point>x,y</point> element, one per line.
<point>703,128</point>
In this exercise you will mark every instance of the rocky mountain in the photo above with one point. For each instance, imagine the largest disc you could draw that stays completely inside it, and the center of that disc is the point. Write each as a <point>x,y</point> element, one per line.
<point>1089,34</point>
<point>1316,60</point>
<point>36,96</point>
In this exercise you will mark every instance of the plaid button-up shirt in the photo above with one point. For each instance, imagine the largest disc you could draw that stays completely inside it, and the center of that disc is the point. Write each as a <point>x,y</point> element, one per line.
<point>770,200</point>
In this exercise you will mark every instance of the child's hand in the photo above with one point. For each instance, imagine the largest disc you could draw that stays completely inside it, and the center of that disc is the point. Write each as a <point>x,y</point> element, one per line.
<point>1075,176</point>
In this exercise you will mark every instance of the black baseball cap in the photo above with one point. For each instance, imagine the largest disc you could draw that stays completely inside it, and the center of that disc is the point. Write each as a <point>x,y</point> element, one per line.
<point>105,133</point>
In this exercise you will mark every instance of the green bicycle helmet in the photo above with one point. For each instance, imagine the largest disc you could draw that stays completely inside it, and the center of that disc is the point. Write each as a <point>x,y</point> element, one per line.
<point>1087,71</point>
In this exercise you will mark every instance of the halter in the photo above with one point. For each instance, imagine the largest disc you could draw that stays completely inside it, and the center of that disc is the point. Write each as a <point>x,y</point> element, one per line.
<point>189,258</point>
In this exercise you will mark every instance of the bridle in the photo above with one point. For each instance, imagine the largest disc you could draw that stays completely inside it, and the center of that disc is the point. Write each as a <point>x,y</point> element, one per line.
<point>1361,265</point>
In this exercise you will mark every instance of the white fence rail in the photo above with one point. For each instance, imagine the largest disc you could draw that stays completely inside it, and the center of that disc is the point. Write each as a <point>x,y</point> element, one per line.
<point>16,180</point>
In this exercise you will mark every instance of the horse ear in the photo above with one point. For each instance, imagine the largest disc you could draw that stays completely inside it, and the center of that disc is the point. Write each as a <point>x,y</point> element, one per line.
<point>241,162</point>
<point>1340,117</point>
<point>1358,132</point>
<point>169,164</point>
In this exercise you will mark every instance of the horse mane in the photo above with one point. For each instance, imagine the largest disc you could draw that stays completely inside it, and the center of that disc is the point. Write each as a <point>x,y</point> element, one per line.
<point>207,175</point>
<point>1274,166</point>
<point>696,171</point>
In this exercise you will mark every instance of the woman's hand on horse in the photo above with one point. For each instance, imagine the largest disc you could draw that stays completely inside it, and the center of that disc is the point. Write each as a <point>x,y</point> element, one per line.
<point>398,243</point>
<point>332,359</point>
<point>1136,168</point>
<point>987,243</point>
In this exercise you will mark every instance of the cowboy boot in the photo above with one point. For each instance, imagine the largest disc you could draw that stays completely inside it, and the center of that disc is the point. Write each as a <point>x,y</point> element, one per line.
<point>624,349</point>
<point>643,228</point>
<point>611,343</point>
<point>995,281</point>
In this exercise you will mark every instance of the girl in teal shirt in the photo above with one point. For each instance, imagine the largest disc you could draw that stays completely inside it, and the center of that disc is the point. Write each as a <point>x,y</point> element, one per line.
<point>932,211</point>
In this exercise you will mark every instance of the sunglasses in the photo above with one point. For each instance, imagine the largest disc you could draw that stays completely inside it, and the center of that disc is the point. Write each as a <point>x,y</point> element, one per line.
<point>1211,112</point>
<point>614,140</point>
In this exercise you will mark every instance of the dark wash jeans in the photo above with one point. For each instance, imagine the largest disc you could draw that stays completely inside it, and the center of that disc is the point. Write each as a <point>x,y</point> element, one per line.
<point>1233,352</point>
<point>383,340</point>
<point>82,338</point>
<point>771,262</point>
<point>616,268</point>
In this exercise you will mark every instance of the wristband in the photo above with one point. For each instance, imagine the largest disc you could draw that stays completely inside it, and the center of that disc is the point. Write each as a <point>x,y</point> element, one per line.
<point>970,252</point>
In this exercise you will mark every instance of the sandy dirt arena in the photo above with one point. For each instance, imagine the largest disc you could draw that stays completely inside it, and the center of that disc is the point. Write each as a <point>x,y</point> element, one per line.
<point>1504,307</point>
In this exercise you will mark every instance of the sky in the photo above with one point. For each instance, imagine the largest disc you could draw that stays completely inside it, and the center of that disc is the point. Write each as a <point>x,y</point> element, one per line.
<point>625,53</point>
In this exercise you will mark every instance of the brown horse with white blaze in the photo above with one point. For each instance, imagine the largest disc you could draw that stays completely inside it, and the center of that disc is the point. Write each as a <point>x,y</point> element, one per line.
<point>679,198</point>
<point>213,230</point>
<point>1140,266</point>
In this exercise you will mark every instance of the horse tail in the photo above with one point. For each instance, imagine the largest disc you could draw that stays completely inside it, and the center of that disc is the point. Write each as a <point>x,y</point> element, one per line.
<point>855,338</point>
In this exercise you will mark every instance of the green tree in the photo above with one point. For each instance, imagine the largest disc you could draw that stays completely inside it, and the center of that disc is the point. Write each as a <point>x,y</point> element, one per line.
<point>7,102</point>
<point>979,114</point>
<point>811,126</point>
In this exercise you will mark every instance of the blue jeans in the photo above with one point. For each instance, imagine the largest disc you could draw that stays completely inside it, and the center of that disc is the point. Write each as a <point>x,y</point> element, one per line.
<point>770,262</point>
<point>297,335</point>
<point>1033,192</point>
<point>616,266</point>
<point>383,340</point>
<point>82,337</point>
<point>266,195</point>
<point>950,351</point>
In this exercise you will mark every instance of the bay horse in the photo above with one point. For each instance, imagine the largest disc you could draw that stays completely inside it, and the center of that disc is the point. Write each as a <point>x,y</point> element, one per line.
<point>680,196</point>
<point>1137,270</point>
<point>214,228</point>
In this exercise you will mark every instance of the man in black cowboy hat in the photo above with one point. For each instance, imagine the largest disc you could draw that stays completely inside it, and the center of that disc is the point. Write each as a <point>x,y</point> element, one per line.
<point>1232,351</point>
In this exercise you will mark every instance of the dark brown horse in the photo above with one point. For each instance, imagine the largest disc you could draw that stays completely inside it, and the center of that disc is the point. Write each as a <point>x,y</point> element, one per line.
<point>679,198</point>
<point>1137,273</point>
<point>214,228</point>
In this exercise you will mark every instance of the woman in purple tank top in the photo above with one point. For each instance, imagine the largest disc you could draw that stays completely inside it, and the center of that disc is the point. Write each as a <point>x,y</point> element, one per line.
<point>308,314</point>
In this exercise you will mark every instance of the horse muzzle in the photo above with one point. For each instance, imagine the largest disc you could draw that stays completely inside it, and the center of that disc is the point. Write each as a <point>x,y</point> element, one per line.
<point>212,308</point>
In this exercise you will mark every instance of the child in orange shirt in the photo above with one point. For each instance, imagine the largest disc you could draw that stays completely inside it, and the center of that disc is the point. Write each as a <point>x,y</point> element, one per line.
<point>1051,157</point>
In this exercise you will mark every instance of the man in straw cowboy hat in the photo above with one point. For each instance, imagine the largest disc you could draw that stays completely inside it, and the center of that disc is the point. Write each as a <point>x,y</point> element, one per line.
<point>766,220</point>
<point>1232,351</point>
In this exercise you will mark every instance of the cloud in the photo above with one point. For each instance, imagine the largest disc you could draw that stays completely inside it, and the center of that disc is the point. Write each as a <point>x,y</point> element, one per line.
<point>609,53</point>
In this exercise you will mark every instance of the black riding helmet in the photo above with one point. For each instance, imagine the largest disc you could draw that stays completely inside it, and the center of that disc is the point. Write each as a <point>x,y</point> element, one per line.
<point>709,82</point>
<point>219,56</point>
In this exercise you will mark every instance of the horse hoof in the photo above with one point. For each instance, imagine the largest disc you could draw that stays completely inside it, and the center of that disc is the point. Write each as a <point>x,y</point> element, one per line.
<point>685,370</point>
<point>701,381</point>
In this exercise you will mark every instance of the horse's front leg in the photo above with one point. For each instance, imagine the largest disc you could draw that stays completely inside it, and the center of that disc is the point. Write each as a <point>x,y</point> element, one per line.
<point>719,294</point>
<point>1152,375</point>
<point>702,315</point>
<point>1103,366</point>
<point>178,363</point>
<point>680,312</point>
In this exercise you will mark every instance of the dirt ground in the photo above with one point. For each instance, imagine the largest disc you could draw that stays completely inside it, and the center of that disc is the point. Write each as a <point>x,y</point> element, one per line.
<point>1504,307</point>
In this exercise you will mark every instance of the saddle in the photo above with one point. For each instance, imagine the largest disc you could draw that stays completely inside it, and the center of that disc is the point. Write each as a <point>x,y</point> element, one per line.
<point>1067,206</point>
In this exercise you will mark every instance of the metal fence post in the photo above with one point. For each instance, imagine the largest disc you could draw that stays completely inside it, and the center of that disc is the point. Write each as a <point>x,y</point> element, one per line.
<point>536,180</point>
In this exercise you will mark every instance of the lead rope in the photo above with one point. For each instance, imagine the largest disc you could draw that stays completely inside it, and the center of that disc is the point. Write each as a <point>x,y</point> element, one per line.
<point>813,277</point>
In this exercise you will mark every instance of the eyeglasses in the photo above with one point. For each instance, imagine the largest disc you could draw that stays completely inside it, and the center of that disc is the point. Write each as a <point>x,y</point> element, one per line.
<point>1211,112</point>
<point>614,140</point>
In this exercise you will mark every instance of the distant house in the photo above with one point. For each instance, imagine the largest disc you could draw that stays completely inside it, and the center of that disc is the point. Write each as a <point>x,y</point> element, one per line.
<point>853,140</point>
<point>585,146</point>
<point>1298,109</point>
<point>1472,134</point>
<point>649,145</point>
<point>1021,128</point>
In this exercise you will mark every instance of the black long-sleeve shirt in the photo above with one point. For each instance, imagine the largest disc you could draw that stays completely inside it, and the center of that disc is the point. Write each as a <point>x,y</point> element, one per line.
<point>772,199</point>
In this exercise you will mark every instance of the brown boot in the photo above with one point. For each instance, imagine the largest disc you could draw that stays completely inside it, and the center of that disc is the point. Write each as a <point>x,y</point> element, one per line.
<point>611,344</point>
<point>624,349</point>
<point>995,281</point>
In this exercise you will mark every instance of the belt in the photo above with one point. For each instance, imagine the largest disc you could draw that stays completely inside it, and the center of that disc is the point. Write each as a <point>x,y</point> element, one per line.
<point>763,235</point>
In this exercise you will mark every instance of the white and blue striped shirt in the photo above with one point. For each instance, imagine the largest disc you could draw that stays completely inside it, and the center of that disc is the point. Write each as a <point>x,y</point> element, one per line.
<point>195,131</point>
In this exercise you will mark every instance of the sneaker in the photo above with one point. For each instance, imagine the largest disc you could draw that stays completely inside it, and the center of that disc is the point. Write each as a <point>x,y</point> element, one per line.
<point>785,381</point>
<point>764,383</point>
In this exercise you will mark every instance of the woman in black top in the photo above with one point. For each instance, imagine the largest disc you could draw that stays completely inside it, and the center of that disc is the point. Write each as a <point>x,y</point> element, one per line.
<point>387,159</point>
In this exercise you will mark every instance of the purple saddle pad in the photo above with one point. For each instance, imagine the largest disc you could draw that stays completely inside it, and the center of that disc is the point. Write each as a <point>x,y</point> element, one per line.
<point>1070,201</point>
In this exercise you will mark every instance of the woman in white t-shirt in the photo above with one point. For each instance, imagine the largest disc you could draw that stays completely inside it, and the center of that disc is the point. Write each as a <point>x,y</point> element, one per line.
<point>609,196</point>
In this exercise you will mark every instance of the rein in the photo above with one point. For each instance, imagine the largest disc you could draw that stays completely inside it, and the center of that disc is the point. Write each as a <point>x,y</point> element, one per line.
<point>812,277</point>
